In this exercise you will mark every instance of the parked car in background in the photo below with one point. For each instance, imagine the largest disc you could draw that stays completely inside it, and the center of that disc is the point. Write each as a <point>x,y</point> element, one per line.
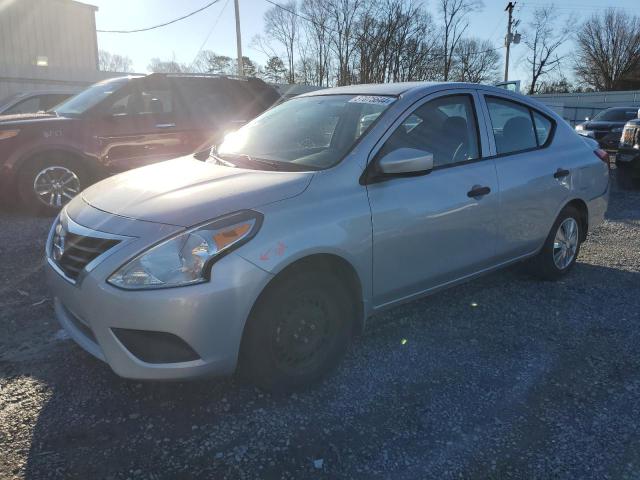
<point>322,211</point>
<point>606,127</point>
<point>32,102</point>
<point>628,156</point>
<point>119,124</point>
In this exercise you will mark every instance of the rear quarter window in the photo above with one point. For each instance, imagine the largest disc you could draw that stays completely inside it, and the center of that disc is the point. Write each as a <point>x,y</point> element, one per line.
<point>517,127</point>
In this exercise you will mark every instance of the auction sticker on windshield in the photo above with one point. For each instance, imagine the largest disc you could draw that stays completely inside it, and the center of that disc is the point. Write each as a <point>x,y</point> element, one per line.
<point>372,99</point>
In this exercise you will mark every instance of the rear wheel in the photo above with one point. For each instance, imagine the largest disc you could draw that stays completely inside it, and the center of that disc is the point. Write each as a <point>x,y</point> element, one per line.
<point>298,332</point>
<point>561,248</point>
<point>47,183</point>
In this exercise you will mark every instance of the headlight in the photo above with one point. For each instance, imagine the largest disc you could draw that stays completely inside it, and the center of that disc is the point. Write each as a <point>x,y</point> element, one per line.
<point>5,134</point>
<point>579,128</point>
<point>186,259</point>
<point>587,133</point>
<point>617,130</point>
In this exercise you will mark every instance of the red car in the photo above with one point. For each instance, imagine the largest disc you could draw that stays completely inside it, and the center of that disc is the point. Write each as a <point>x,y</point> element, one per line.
<point>120,124</point>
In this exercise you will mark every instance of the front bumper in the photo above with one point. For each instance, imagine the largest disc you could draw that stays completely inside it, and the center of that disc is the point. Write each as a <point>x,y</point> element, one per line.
<point>208,317</point>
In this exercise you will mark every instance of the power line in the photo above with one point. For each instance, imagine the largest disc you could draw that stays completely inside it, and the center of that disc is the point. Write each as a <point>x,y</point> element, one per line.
<point>209,34</point>
<point>574,7</point>
<point>162,24</point>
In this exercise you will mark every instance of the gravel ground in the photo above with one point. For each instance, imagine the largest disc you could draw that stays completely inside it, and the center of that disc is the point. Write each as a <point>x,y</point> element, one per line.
<point>504,377</point>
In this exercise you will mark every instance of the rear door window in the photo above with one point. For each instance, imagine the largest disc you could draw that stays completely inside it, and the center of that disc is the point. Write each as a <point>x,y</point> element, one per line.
<point>512,126</point>
<point>145,100</point>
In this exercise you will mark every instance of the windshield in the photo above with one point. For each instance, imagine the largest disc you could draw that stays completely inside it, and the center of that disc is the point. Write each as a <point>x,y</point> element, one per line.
<point>616,115</point>
<point>309,132</point>
<point>88,98</point>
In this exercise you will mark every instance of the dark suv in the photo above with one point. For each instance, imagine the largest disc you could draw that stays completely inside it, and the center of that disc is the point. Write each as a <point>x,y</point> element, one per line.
<point>119,124</point>
<point>628,157</point>
<point>606,126</point>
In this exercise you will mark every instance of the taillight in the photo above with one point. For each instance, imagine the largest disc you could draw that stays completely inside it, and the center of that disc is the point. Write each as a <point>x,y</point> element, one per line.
<point>602,155</point>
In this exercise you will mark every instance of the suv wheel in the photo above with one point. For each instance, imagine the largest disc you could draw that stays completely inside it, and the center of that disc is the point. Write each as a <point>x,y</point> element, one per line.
<point>298,332</point>
<point>47,184</point>
<point>561,247</point>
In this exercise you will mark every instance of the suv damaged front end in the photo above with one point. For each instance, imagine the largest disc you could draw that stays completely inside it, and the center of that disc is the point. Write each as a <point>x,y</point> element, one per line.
<point>628,156</point>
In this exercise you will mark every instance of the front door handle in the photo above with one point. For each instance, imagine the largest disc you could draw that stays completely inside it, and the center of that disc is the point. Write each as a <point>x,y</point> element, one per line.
<point>561,173</point>
<point>478,191</point>
<point>165,125</point>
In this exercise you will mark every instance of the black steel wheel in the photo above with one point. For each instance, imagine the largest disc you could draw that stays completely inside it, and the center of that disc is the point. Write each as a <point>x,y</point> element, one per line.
<point>298,331</point>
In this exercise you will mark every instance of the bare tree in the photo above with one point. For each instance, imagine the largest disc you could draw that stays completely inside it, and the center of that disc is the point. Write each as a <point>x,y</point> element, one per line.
<point>166,66</point>
<point>343,21</point>
<point>455,22</point>
<point>397,42</point>
<point>275,70</point>
<point>111,62</point>
<point>210,62</point>
<point>318,34</point>
<point>475,60</point>
<point>281,26</point>
<point>543,39</point>
<point>608,50</point>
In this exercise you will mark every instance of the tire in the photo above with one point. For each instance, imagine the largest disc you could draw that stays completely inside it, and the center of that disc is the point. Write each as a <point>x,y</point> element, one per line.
<point>298,331</point>
<point>624,177</point>
<point>550,264</point>
<point>43,172</point>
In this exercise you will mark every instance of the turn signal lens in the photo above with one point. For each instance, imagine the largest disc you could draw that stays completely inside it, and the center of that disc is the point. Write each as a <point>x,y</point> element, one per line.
<point>226,237</point>
<point>602,155</point>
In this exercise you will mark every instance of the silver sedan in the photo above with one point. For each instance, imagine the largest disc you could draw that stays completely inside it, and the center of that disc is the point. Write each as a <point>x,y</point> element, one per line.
<point>311,218</point>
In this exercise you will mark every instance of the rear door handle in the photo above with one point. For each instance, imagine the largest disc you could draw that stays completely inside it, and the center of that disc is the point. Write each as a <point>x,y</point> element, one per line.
<point>165,125</point>
<point>561,173</point>
<point>478,191</point>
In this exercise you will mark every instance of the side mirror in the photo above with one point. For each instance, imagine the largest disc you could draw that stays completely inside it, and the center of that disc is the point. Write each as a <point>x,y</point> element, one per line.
<point>406,161</point>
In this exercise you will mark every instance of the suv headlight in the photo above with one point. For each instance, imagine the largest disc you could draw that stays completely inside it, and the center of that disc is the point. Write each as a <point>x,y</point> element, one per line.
<point>186,258</point>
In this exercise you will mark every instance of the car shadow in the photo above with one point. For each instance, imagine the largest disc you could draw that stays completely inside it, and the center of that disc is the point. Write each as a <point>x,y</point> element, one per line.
<point>452,375</point>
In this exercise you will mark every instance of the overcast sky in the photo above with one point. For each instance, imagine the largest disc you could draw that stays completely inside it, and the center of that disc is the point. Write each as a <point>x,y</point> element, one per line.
<point>183,39</point>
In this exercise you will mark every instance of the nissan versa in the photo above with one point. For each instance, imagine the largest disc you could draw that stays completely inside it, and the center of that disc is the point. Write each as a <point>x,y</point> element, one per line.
<point>312,217</point>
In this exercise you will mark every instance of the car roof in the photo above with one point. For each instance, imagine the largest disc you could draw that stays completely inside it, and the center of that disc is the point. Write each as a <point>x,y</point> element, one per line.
<point>374,89</point>
<point>401,88</point>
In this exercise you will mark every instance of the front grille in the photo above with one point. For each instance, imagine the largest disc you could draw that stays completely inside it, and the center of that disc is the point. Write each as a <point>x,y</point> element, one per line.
<point>628,136</point>
<point>72,252</point>
<point>598,134</point>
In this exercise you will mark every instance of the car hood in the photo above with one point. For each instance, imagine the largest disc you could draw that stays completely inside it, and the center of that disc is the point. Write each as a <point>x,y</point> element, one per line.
<point>602,125</point>
<point>186,191</point>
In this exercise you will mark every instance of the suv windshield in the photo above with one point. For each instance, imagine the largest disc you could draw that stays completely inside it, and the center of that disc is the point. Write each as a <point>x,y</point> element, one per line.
<point>308,132</point>
<point>86,99</point>
<point>615,115</point>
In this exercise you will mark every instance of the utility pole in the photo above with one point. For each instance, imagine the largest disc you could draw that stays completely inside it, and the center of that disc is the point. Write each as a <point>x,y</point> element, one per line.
<point>508,39</point>
<point>239,40</point>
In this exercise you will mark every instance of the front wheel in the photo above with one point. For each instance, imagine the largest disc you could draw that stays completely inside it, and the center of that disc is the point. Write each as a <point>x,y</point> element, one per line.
<point>45,185</point>
<point>561,248</point>
<point>298,332</point>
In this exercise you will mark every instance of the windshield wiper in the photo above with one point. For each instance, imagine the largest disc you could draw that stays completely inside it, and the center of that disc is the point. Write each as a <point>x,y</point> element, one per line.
<point>274,165</point>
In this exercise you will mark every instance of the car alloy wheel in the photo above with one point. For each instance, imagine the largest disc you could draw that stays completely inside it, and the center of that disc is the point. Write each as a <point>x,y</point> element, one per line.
<point>565,243</point>
<point>56,185</point>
